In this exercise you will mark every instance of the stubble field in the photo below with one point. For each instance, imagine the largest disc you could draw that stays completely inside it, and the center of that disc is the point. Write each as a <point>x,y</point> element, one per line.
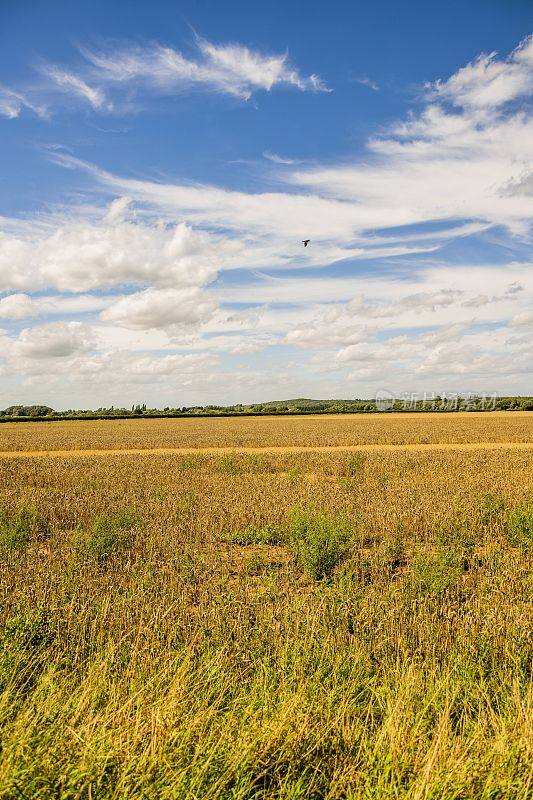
<point>234,614</point>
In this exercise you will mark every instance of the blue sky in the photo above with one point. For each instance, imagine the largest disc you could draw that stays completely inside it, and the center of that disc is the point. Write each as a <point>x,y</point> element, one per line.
<point>161,164</point>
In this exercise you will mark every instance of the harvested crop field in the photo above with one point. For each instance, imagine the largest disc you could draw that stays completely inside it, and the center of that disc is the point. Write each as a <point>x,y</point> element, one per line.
<point>296,607</point>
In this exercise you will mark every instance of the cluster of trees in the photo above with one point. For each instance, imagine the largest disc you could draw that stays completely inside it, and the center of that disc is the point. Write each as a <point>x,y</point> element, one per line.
<point>298,406</point>
<point>27,411</point>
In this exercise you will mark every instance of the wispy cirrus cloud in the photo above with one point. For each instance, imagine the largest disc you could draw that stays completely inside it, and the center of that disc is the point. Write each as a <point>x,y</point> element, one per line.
<point>232,69</point>
<point>277,159</point>
<point>13,102</point>
<point>489,82</point>
<point>470,162</point>
<point>364,81</point>
<point>112,77</point>
<point>69,82</point>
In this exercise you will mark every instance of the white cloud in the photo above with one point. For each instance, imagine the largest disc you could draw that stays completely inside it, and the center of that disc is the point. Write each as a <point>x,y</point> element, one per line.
<point>279,159</point>
<point>22,306</point>
<point>489,82</point>
<point>169,309</point>
<point>110,79</point>
<point>146,368</point>
<point>53,340</point>
<point>364,81</point>
<point>81,255</point>
<point>267,228</point>
<point>240,345</point>
<point>385,340</point>
<point>12,103</point>
<point>449,358</point>
<point>17,306</point>
<point>227,68</point>
<point>446,165</point>
<point>427,301</point>
<point>69,82</point>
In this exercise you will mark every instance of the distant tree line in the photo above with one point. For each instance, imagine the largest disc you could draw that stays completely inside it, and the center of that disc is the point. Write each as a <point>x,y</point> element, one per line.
<point>297,406</point>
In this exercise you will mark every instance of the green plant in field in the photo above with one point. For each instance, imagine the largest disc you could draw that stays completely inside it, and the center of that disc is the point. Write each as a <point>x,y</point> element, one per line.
<point>268,534</point>
<point>228,464</point>
<point>492,509</point>
<point>24,639</point>
<point>110,535</point>
<point>391,554</point>
<point>18,529</point>
<point>255,564</point>
<point>255,462</point>
<point>354,465</point>
<point>456,537</point>
<point>319,543</point>
<point>294,474</point>
<point>437,572</point>
<point>519,527</point>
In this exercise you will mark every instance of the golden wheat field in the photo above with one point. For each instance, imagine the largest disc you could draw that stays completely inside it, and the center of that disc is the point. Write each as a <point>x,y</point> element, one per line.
<point>317,607</point>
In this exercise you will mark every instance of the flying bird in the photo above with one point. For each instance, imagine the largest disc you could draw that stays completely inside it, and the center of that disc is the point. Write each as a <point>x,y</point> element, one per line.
<point>306,242</point>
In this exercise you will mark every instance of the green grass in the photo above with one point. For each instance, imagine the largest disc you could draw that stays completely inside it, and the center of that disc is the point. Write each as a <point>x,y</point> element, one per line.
<point>373,666</point>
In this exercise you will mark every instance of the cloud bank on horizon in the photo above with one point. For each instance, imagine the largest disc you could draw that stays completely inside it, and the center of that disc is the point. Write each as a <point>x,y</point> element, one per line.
<point>418,277</point>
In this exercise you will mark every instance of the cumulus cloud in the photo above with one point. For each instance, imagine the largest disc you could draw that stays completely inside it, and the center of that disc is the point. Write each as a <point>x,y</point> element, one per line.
<point>440,331</point>
<point>427,301</point>
<point>148,367</point>
<point>81,255</point>
<point>54,340</point>
<point>169,309</point>
<point>330,328</point>
<point>239,345</point>
<point>451,357</point>
<point>17,306</point>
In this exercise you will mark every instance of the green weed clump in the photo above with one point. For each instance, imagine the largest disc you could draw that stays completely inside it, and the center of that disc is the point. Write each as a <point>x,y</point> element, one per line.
<point>354,465</point>
<point>110,536</point>
<point>17,530</point>
<point>492,509</point>
<point>438,572</point>
<point>229,464</point>
<point>319,543</point>
<point>520,527</point>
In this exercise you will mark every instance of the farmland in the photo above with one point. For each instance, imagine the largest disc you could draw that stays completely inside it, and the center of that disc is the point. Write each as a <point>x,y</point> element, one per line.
<point>298,607</point>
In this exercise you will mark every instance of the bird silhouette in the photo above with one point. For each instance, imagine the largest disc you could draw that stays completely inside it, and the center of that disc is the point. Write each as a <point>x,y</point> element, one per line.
<point>306,242</point>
